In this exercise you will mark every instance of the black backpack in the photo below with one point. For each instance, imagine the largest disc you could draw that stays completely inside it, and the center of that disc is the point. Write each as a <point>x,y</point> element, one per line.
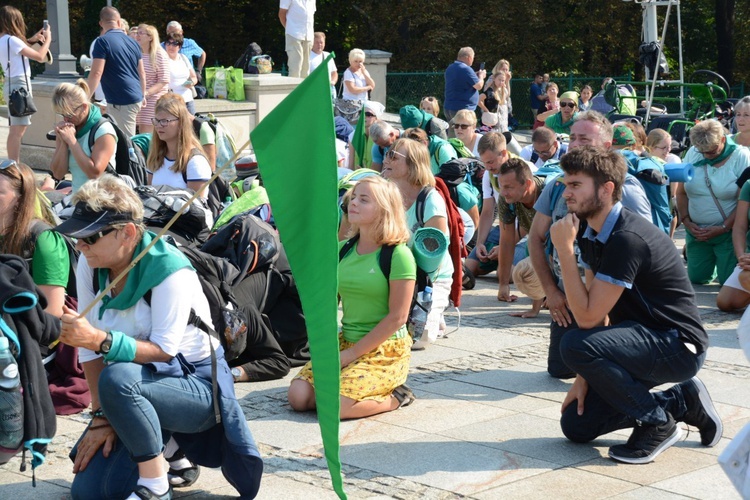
<point>160,203</point>
<point>243,62</point>
<point>458,170</point>
<point>229,319</point>
<point>37,228</point>
<point>247,242</point>
<point>129,160</point>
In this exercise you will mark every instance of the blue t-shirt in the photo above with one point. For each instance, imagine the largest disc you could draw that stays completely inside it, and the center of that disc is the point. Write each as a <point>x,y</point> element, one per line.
<point>459,87</point>
<point>535,92</point>
<point>120,81</point>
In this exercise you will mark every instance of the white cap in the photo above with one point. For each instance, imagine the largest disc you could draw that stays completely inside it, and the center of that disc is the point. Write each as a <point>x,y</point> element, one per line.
<point>375,108</point>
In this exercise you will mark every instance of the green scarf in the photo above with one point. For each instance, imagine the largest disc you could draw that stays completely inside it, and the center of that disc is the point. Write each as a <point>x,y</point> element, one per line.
<point>93,119</point>
<point>729,148</point>
<point>161,261</point>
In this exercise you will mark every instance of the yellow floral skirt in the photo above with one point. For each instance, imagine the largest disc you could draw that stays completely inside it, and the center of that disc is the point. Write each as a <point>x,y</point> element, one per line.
<point>375,375</point>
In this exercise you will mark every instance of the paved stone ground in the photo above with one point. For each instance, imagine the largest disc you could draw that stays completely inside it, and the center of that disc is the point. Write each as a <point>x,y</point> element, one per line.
<point>485,426</point>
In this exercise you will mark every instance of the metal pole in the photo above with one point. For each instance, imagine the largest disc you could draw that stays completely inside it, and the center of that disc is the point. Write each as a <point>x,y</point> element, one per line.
<point>658,58</point>
<point>682,70</point>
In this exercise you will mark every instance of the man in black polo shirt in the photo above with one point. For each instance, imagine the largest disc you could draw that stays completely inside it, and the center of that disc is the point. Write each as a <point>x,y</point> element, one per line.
<point>635,279</point>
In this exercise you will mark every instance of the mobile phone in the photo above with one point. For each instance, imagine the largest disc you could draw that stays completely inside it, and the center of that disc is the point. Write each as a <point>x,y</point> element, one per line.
<point>45,25</point>
<point>481,66</point>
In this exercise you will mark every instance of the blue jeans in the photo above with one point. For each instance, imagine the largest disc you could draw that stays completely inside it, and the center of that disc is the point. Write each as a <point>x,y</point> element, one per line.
<point>144,408</point>
<point>621,364</point>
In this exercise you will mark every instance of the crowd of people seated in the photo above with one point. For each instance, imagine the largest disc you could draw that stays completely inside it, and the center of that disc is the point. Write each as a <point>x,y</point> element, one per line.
<point>572,220</point>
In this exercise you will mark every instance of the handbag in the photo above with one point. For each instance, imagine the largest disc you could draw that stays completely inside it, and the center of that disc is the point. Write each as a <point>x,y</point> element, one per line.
<point>348,109</point>
<point>263,64</point>
<point>20,102</point>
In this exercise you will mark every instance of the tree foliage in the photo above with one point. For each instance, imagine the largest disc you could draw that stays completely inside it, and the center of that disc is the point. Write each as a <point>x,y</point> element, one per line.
<point>589,37</point>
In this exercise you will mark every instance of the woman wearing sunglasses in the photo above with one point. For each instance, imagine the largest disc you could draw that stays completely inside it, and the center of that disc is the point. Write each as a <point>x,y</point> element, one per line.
<point>72,153</point>
<point>464,125</point>
<point>24,233</point>
<point>374,343</point>
<point>149,368</point>
<point>561,120</point>
<point>182,77</point>
<point>407,164</point>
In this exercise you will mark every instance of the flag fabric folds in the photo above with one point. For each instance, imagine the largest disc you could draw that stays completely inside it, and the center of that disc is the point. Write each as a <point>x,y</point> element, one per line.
<point>296,153</point>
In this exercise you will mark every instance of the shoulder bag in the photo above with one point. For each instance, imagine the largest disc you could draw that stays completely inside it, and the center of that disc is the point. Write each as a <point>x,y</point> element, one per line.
<point>20,102</point>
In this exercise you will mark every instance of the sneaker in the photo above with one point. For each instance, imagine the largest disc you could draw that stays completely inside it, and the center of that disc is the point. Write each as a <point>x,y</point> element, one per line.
<point>646,442</point>
<point>404,395</point>
<point>701,412</point>
<point>469,281</point>
<point>146,494</point>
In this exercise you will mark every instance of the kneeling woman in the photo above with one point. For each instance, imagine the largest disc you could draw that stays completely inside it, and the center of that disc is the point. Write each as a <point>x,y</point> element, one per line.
<point>148,366</point>
<point>375,346</point>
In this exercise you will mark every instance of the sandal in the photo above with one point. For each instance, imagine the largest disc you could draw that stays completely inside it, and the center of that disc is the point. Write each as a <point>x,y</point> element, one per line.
<point>182,478</point>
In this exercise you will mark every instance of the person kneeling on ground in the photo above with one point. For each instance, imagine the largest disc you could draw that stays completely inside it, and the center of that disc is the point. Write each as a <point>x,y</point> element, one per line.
<point>654,335</point>
<point>148,365</point>
<point>375,346</point>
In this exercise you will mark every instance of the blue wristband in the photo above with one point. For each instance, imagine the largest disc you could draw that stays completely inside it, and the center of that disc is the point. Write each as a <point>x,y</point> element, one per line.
<point>123,348</point>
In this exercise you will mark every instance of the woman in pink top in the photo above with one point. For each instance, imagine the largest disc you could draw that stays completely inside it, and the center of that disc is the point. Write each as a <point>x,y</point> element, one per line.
<point>156,65</point>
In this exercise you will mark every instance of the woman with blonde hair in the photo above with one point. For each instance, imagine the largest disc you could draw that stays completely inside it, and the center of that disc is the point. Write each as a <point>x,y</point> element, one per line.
<point>407,164</point>
<point>15,49</point>
<point>496,99</point>
<point>156,67</point>
<point>175,157</point>
<point>374,343</point>
<point>80,117</point>
<point>357,80</point>
<point>464,125</point>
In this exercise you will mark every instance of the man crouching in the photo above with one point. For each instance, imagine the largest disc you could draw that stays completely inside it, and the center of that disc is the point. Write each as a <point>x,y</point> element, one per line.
<point>639,325</point>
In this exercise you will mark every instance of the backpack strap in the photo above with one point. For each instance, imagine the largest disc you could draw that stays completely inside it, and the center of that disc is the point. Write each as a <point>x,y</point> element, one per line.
<point>348,246</point>
<point>94,130</point>
<point>386,256</point>
<point>420,204</point>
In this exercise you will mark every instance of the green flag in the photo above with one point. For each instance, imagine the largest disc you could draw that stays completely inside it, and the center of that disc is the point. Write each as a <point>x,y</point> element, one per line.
<point>296,152</point>
<point>359,140</point>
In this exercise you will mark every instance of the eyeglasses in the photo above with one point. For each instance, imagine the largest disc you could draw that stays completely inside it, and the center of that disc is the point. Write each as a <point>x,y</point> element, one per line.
<point>547,152</point>
<point>173,43</point>
<point>429,99</point>
<point>163,122</point>
<point>391,154</point>
<point>74,114</point>
<point>567,104</point>
<point>369,115</point>
<point>90,240</point>
<point>462,126</point>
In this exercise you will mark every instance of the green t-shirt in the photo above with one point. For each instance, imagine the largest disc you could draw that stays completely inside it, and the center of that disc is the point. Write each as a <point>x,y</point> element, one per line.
<point>50,263</point>
<point>468,196</point>
<point>745,196</point>
<point>364,290</point>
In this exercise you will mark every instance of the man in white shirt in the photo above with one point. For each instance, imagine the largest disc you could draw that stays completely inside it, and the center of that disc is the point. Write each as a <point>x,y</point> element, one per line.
<point>318,55</point>
<point>296,17</point>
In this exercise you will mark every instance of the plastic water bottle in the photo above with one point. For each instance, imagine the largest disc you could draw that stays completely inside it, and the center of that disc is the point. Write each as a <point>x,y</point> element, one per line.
<point>227,201</point>
<point>11,399</point>
<point>132,155</point>
<point>419,313</point>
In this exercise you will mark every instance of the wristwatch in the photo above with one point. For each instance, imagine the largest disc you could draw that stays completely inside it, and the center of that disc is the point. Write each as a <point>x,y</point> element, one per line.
<point>106,344</point>
<point>236,373</point>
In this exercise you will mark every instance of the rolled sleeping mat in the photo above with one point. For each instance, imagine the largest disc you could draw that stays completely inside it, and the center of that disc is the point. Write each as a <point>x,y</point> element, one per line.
<point>429,247</point>
<point>679,172</point>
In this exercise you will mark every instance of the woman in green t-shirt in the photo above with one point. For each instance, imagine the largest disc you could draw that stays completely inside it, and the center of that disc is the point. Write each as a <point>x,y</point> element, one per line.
<point>375,346</point>
<point>47,253</point>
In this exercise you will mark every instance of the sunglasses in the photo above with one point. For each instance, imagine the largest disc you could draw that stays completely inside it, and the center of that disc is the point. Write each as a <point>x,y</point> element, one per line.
<point>710,151</point>
<point>173,43</point>
<point>567,104</point>
<point>74,114</point>
<point>369,115</point>
<point>462,126</point>
<point>429,99</point>
<point>90,240</point>
<point>163,122</point>
<point>6,164</point>
<point>391,154</point>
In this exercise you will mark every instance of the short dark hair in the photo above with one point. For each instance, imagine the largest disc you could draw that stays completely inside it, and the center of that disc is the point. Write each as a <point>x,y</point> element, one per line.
<point>519,167</point>
<point>599,164</point>
<point>492,141</point>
